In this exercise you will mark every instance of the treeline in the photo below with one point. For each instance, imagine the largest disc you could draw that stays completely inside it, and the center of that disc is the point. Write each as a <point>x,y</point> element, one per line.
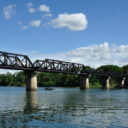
<point>62,80</point>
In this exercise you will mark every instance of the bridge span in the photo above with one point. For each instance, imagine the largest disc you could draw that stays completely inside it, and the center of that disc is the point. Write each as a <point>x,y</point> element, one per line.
<point>31,69</point>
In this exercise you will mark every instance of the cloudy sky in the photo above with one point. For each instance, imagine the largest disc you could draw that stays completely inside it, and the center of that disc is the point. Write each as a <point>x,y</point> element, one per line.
<point>91,32</point>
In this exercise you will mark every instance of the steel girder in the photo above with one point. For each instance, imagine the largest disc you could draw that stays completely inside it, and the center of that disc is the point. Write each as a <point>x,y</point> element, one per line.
<point>49,65</point>
<point>15,61</point>
<point>22,62</point>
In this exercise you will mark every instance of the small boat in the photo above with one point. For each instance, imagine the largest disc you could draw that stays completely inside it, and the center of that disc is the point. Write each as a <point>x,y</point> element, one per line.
<point>49,88</point>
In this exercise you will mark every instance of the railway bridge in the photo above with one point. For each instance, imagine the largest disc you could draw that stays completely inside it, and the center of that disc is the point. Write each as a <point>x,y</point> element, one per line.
<point>31,69</point>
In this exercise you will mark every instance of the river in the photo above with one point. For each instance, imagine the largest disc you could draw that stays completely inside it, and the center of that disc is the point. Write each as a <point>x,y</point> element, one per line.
<point>63,108</point>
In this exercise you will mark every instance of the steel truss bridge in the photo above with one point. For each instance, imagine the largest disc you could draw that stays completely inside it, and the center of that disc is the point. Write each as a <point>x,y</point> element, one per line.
<point>23,62</point>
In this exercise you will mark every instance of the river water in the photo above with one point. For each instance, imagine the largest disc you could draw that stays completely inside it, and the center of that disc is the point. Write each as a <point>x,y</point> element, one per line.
<point>63,108</point>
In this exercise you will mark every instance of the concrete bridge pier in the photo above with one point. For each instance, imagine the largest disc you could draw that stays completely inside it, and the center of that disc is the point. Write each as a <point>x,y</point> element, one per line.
<point>31,80</point>
<point>106,82</point>
<point>84,82</point>
<point>122,82</point>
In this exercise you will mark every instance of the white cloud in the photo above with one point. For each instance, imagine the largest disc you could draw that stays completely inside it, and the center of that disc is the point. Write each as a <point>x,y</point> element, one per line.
<point>47,15</point>
<point>32,10</point>
<point>94,55</point>
<point>29,4</point>
<point>35,23</point>
<point>44,8</point>
<point>19,23</point>
<point>25,27</point>
<point>74,22</point>
<point>9,11</point>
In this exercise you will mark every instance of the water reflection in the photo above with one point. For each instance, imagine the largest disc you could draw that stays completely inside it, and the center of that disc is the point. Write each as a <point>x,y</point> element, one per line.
<point>67,108</point>
<point>31,101</point>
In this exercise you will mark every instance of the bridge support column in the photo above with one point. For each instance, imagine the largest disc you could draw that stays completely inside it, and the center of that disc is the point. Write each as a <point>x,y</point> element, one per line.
<point>106,82</point>
<point>122,82</point>
<point>31,80</point>
<point>84,82</point>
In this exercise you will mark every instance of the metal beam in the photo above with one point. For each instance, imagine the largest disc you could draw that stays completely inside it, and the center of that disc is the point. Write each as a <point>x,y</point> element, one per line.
<point>22,62</point>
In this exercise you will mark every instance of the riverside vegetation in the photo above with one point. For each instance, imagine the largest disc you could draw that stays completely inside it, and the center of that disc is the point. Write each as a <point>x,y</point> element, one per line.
<point>63,80</point>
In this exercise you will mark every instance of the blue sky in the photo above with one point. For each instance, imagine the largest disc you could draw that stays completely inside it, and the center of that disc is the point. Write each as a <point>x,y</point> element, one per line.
<point>56,27</point>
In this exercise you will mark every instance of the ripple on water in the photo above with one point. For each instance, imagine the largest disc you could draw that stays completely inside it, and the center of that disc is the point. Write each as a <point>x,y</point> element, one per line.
<point>63,108</point>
